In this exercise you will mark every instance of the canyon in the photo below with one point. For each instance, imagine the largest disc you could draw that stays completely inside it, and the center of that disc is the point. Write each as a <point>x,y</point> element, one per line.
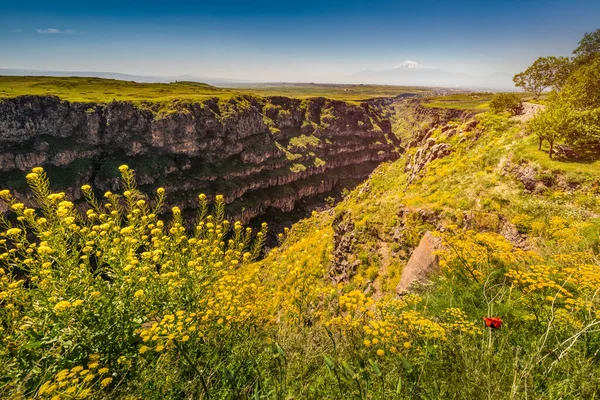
<point>266,155</point>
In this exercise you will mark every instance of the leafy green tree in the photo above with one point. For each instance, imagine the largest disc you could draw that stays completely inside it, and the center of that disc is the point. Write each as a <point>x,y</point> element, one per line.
<point>545,72</point>
<point>588,47</point>
<point>553,124</point>
<point>510,102</point>
<point>582,129</point>
<point>583,86</point>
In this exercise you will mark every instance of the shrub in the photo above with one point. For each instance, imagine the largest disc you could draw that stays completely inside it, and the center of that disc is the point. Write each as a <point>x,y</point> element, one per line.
<point>510,102</point>
<point>95,291</point>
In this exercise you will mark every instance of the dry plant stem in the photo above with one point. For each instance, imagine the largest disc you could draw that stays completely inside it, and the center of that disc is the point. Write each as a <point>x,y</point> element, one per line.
<point>187,358</point>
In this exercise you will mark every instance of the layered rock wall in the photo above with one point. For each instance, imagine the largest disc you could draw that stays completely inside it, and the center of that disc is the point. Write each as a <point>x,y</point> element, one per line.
<point>257,152</point>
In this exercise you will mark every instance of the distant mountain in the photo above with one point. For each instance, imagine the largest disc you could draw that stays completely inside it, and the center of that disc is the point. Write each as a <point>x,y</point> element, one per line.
<point>409,64</point>
<point>123,77</point>
<point>414,74</point>
<point>408,73</point>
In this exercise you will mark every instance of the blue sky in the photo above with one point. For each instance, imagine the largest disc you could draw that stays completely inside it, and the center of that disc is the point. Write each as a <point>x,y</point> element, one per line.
<point>285,40</point>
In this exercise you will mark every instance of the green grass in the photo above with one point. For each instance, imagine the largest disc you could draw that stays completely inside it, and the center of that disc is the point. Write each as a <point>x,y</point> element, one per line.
<point>465,101</point>
<point>462,101</point>
<point>304,141</point>
<point>584,170</point>
<point>332,91</point>
<point>105,90</point>
<point>475,101</point>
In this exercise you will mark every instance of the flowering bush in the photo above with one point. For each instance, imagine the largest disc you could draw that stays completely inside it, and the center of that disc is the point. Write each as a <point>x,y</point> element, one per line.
<point>111,278</point>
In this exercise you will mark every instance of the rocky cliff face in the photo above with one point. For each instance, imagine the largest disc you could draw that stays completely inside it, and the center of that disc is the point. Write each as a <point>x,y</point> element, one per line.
<point>257,152</point>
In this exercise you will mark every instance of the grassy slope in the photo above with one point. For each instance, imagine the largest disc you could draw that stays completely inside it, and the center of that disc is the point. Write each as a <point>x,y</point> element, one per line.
<point>334,91</point>
<point>475,101</point>
<point>105,90</point>
<point>528,150</point>
<point>471,188</point>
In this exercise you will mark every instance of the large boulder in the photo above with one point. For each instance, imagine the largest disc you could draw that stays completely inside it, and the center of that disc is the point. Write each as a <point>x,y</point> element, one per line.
<point>422,263</point>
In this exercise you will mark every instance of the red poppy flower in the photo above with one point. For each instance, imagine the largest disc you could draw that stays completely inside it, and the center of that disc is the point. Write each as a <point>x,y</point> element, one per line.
<point>493,322</point>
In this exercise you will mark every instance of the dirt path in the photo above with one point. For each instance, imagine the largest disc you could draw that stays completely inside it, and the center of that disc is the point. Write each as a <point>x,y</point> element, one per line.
<point>530,109</point>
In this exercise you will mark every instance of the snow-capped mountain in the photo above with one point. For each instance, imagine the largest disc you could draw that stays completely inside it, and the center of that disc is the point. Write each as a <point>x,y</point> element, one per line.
<point>409,64</point>
<point>414,74</point>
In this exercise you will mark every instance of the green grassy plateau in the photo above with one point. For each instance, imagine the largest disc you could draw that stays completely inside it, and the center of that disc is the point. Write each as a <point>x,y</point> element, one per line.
<point>106,90</point>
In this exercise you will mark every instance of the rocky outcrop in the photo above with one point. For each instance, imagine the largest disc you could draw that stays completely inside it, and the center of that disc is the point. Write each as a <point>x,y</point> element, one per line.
<point>422,263</point>
<point>536,180</point>
<point>257,152</point>
<point>429,148</point>
<point>344,264</point>
<point>424,155</point>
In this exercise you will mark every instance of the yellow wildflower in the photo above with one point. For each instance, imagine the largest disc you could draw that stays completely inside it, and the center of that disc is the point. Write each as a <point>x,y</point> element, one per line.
<point>62,305</point>
<point>105,382</point>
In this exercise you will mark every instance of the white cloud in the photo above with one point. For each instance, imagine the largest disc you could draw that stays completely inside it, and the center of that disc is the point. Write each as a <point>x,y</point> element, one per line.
<point>49,31</point>
<point>53,31</point>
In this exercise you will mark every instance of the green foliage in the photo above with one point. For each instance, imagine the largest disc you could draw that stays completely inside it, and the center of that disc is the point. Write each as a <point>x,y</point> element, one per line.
<point>545,72</point>
<point>462,101</point>
<point>176,313</point>
<point>589,46</point>
<point>583,86</point>
<point>552,124</point>
<point>510,102</point>
<point>106,90</point>
<point>573,113</point>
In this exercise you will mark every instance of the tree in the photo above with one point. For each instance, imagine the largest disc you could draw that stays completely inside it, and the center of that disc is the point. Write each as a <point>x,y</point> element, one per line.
<point>553,124</point>
<point>510,102</point>
<point>560,69</point>
<point>573,112</point>
<point>545,72</point>
<point>588,47</point>
<point>583,86</point>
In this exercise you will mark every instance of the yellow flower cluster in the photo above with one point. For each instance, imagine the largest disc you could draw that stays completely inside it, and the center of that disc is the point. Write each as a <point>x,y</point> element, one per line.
<point>79,382</point>
<point>384,334</point>
<point>540,278</point>
<point>121,256</point>
<point>456,320</point>
<point>355,308</point>
<point>180,326</point>
<point>570,278</point>
<point>418,325</point>
<point>386,326</point>
<point>474,254</point>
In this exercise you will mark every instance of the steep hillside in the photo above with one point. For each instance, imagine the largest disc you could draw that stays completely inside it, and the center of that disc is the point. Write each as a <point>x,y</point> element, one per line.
<point>123,301</point>
<point>520,241</point>
<point>259,153</point>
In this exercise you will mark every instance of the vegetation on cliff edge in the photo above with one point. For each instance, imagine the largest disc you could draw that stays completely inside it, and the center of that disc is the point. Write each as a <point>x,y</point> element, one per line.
<point>106,90</point>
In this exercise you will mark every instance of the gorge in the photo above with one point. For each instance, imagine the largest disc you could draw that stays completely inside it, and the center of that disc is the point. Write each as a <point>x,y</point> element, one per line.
<point>261,153</point>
